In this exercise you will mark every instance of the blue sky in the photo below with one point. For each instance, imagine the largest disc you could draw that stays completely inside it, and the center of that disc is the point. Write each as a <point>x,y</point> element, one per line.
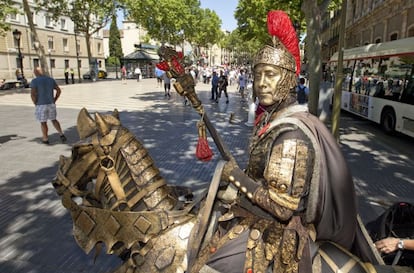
<point>225,10</point>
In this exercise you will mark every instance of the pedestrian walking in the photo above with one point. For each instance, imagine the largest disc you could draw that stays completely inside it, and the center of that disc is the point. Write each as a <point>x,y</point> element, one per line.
<point>214,87</point>
<point>44,97</point>
<point>222,85</point>
<point>242,81</point>
<point>302,92</point>
<point>167,85</point>
<point>123,74</point>
<point>137,73</point>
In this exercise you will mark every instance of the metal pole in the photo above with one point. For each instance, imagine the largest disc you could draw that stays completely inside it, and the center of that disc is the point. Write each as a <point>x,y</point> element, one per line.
<point>21,60</point>
<point>50,64</point>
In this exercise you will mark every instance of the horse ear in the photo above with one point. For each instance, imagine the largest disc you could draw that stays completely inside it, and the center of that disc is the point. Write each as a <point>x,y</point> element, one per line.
<point>102,126</point>
<point>86,125</point>
<point>115,114</point>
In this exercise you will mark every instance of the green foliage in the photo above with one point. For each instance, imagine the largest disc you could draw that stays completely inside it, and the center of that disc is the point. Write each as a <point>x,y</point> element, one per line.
<point>112,60</point>
<point>251,16</point>
<point>173,21</point>
<point>90,16</point>
<point>207,30</point>
<point>6,9</point>
<point>115,46</point>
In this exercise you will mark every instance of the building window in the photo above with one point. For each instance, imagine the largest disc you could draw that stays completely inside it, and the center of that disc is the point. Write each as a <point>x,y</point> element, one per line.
<point>52,63</point>
<point>394,37</point>
<point>99,48</point>
<point>34,18</point>
<point>78,47</point>
<point>79,63</point>
<point>14,17</point>
<point>36,63</point>
<point>16,43</point>
<point>63,24</point>
<point>65,45</point>
<point>50,44</point>
<point>17,63</point>
<point>49,21</point>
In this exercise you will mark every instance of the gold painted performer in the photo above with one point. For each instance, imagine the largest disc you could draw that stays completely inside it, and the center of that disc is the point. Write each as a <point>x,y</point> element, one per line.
<point>292,210</point>
<point>296,198</point>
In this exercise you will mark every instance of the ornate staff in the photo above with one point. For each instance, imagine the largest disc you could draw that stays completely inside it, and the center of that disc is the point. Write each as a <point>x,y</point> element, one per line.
<point>172,64</point>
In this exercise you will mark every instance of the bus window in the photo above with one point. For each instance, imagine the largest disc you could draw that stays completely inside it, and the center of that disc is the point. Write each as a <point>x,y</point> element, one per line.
<point>379,83</point>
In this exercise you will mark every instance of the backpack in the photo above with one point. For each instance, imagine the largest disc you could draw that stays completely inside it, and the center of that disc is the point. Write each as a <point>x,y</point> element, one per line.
<point>302,97</point>
<point>397,221</point>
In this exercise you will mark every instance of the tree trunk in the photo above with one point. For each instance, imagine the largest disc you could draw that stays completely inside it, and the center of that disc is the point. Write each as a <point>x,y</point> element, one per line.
<point>313,52</point>
<point>90,59</point>
<point>35,38</point>
<point>339,77</point>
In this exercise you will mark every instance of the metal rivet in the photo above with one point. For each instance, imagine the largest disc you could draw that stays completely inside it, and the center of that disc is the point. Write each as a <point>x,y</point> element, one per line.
<point>238,229</point>
<point>282,187</point>
<point>231,178</point>
<point>255,234</point>
<point>249,195</point>
<point>237,183</point>
<point>243,189</point>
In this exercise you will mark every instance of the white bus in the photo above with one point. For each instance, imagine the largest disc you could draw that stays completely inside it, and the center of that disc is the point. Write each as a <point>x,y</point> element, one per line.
<point>379,83</point>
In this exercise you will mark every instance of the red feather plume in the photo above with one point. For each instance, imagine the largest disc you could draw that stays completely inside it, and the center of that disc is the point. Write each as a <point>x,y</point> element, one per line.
<point>280,25</point>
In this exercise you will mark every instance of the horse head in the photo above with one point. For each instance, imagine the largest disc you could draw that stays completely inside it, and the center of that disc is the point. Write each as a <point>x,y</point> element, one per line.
<point>111,169</point>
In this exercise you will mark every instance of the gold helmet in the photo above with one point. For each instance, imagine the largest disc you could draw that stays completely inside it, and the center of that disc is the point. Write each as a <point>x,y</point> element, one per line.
<point>285,50</point>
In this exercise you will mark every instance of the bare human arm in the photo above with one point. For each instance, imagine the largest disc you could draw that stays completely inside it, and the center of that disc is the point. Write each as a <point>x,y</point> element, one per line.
<point>58,92</point>
<point>33,95</point>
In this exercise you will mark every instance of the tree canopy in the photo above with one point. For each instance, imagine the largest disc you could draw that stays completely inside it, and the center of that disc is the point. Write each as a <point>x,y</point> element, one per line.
<point>176,21</point>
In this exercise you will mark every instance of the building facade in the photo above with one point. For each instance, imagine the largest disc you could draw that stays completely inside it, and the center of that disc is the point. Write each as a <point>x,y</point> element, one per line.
<point>367,22</point>
<point>62,46</point>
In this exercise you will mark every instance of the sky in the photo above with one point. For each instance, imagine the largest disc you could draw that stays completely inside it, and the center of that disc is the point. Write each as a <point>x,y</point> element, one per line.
<point>224,8</point>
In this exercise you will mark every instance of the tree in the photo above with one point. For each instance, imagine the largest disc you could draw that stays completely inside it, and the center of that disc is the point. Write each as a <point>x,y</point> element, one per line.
<point>6,9</point>
<point>163,19</point>
<point>175,21</point>
<point>206,31</point>
<point>39,48</point>
<point>115,46</point>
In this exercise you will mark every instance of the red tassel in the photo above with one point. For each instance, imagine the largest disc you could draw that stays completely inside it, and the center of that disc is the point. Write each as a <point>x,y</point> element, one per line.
<point>203,151</point>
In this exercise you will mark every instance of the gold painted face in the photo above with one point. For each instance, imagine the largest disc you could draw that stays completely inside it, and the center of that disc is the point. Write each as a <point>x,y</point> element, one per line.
<point>267,84</point>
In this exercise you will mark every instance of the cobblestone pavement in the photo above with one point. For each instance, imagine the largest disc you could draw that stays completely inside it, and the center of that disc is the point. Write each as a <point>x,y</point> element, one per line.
<point>35,229</point>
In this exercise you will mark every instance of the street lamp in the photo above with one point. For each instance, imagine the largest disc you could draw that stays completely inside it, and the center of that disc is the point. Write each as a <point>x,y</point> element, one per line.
<point>17,34</point>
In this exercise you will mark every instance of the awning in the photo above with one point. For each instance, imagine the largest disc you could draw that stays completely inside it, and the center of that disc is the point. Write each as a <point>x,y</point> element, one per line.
<point>387,49</point>
<point>141,54</point>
